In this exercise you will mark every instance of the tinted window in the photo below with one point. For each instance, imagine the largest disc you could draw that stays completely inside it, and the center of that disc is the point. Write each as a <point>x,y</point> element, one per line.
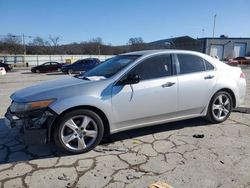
<point>208,65</point>
<point>154,67</point>
<point>190,63</point>
<point>86,61</point>
<point>46,64</point>
<point>89,61</point>
<point>54,63</point>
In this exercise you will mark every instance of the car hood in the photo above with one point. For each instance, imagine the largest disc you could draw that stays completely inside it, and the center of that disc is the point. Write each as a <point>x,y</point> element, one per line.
<point>50,89</point>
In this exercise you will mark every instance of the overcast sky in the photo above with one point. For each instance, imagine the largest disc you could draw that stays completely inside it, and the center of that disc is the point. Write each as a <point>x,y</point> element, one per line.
<point>115,21</point>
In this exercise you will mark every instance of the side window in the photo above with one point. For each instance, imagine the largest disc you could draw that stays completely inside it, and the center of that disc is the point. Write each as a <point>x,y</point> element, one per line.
<point>190,63</point>
<point>87,62</point>
<point>154,67</point>
<point>208,65</point>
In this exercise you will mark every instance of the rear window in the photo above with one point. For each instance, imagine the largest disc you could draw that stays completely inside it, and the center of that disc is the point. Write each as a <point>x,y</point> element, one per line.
<point>208,65</point>
<point>190,63</point>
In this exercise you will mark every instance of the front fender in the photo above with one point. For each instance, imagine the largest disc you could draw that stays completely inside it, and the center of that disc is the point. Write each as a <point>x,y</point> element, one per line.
<point>64,104</point>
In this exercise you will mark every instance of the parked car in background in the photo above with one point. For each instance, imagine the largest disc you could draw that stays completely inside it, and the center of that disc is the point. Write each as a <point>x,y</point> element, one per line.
<point>47,67</point>
<point>128,91</point>
<point>105,60</point>
<point>6,66</point>
<point>81,65</point>
<point>239,61</point>
<point>2,71</point>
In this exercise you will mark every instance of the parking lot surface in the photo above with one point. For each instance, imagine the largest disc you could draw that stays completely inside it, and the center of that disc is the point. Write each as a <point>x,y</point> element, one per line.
<point>191,153</point>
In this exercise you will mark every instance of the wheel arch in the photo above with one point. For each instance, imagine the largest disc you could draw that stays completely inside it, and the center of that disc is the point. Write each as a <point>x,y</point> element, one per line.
<point>88,107</point>
<point>229,91</point>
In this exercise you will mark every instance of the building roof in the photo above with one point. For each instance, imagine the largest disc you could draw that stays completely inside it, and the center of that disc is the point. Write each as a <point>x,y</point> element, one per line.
<point>180,39</point>
<point>224,38</point>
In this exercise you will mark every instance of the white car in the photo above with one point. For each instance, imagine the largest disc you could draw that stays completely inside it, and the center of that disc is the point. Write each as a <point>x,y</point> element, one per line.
<point>128,91</point>
<point>2,71</point>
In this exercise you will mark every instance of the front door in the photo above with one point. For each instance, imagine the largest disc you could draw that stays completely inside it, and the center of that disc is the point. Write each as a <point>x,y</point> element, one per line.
<point>153,99</point>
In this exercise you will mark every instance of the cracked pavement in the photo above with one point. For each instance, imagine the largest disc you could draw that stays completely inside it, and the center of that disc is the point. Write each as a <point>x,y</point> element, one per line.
<point>136,158</point>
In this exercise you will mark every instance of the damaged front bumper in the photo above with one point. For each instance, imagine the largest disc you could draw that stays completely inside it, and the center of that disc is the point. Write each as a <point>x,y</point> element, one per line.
<point>34,125</point>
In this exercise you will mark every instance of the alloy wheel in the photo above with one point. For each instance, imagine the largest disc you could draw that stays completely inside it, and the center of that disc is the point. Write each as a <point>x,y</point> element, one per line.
<point>221,107</point>
<point>79,132</point>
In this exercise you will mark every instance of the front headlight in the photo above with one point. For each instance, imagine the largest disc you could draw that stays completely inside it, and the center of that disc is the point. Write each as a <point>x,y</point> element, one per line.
<point>23,107</point>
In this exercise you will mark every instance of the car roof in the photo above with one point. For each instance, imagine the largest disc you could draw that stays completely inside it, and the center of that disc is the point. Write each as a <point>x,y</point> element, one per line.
<point>151,52</point>
<point>212,60</point>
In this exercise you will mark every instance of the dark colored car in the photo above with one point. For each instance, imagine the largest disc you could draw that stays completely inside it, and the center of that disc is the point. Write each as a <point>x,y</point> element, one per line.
<point>81,65</point>
<point>47,67</point>
<point>6,66</point>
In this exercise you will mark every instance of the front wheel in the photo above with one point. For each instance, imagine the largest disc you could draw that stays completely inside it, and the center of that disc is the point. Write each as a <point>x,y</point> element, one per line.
<point>79,131</point>
<point>70,71</point>
<point>220,107</point>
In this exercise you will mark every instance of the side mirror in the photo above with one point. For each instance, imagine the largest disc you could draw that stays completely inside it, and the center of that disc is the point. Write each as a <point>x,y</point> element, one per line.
<point>131,79</point>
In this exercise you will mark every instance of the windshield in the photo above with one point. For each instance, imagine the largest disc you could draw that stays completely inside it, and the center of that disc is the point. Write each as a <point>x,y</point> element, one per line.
<point>77,62</point>
<point>111,66</point>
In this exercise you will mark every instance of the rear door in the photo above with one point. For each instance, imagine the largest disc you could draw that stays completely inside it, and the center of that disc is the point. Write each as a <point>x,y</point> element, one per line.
<point>88,64</point>
<point>78,66</point>
<point>197,79</point>
<point>54,66</point>
<point>45,67</point>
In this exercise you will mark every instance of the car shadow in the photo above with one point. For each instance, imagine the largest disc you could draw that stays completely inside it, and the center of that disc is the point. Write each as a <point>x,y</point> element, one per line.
<point>13,149</point>
<point>155,129</point>
<point>55,73</point>
<point>27,73</point>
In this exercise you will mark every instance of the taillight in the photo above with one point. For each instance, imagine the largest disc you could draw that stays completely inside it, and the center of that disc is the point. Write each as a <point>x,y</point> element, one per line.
<point>242,75</point>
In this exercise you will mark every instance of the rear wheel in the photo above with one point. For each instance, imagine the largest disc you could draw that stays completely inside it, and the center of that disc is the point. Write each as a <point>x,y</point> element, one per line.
<point>79,131</point>
<point>220,107</point>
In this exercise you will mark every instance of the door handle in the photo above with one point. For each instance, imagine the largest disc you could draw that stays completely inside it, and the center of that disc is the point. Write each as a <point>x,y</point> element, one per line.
<point>168,84</point>
<point>208,77</point>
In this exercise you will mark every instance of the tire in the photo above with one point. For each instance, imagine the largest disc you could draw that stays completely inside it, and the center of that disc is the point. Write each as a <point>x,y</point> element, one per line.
<point>37,71</point>
<point>220,107</point>
<point>70,71</point>
<point>79,131</point>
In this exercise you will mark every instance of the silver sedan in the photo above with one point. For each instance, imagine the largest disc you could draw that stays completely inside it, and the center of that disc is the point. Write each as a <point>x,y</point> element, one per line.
<point>128,91</point>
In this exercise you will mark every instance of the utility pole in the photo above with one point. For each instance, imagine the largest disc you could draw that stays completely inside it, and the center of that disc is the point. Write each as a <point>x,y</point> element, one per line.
<point>24,49</point>
<point>202,35</point>
<point>99,49</point>
<point>214,26</point>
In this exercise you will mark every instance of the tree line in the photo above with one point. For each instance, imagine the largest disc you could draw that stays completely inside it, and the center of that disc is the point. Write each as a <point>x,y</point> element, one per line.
<point>14,45</point>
